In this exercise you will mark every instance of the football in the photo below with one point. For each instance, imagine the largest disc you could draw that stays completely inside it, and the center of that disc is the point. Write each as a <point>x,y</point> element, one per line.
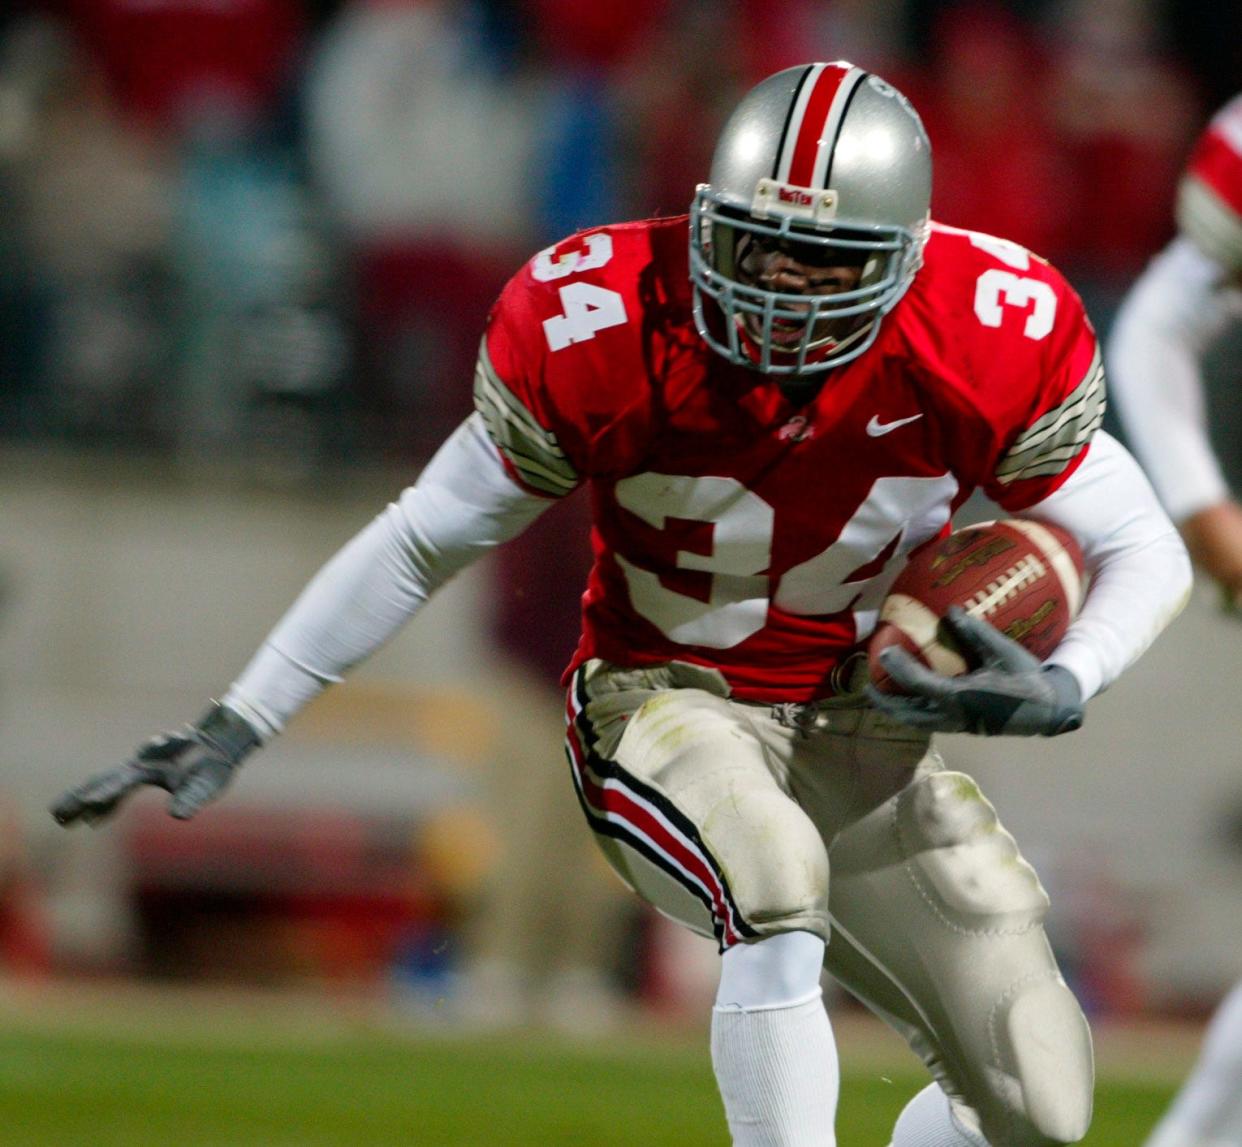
<point>1024,577</point>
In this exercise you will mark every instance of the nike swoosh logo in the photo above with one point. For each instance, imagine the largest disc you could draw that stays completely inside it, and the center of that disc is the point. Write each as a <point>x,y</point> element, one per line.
<point>875,427</point>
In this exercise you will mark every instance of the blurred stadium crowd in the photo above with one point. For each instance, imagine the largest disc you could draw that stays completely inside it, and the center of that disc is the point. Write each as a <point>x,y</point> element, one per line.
<point>271,229</point>
<point>267,232</point>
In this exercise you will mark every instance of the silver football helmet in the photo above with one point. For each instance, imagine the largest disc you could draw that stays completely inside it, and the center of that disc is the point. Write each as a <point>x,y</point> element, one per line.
<point>831,165</point>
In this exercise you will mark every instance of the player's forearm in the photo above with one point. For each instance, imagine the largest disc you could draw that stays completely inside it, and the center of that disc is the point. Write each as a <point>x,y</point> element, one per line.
<point>1140,572</point>
<point>1213,536</point>
<point>1169,319</point>
<point>463,505</point>
<point>352,606</point>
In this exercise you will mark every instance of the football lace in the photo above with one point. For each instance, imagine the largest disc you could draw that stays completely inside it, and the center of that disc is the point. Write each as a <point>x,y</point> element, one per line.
<point>1015,579</point>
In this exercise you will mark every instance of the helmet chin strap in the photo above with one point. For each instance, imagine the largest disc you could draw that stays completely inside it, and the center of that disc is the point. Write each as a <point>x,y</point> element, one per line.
<point>801,389</point>
<point>842,344</point>
<point>825,343</point>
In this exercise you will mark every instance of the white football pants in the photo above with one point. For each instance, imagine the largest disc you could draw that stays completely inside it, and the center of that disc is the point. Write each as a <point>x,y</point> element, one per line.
<point>746,820</point>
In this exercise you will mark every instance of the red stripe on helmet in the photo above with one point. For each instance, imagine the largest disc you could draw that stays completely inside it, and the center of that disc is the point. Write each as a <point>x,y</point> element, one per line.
<point>810,130</point>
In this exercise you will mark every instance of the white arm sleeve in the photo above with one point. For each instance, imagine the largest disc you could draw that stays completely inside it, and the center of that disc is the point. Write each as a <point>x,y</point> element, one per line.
<point>1139,568</point>
<point>1168,320</point>
<point>463,504</point>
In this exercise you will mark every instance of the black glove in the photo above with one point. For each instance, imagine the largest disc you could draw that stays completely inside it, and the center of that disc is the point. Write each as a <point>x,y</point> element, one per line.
<point>1009,693</point>
<point>195,765</point>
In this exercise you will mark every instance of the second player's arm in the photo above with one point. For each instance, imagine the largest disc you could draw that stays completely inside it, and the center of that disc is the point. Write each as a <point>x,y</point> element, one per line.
<point>1170,318</point>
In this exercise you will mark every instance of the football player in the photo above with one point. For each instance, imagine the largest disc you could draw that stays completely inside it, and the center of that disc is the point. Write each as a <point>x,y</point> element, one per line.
<point>1187,297</point>
<point>769,421</point>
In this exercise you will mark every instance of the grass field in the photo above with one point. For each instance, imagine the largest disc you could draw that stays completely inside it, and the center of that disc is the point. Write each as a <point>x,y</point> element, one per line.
<point>197,1071</point>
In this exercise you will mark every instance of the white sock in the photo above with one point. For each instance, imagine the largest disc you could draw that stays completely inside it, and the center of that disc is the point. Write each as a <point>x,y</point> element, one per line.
<point>1208,1109</point>
<point>772,1045</point>
<point>928,1121</point>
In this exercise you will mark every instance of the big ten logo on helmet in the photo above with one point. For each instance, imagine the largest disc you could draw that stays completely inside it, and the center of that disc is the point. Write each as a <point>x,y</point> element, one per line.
<point>814,205</point>
<point>796,195</point>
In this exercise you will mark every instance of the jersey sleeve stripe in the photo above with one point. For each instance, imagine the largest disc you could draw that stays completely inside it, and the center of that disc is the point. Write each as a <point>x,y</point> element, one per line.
<point>1211,224</point>
<point>1050,458</point>
<point>505,402</point>
<point>531,450</point>
<point>1054,440</point>
<point>1053,426</point>
<point>1051,463</point>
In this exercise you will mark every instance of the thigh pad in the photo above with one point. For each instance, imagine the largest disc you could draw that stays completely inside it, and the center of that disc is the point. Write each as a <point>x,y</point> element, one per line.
<point>690,802</point>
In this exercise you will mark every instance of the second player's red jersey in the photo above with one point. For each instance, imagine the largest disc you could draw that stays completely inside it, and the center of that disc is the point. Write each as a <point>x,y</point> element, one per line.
<point>733,528</point>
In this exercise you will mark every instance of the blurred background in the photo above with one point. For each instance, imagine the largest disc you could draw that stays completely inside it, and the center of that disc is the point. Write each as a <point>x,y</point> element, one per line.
<point>246,252</point>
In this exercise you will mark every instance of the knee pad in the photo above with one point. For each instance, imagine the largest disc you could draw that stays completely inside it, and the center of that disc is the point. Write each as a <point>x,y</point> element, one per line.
<point>1041,1039</point>
<point>1033,1079</point>
<point>965,864</point>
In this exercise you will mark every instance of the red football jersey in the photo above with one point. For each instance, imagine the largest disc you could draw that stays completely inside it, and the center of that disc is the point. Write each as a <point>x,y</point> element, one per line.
<point>733,528</point>
<point>1209,201</point>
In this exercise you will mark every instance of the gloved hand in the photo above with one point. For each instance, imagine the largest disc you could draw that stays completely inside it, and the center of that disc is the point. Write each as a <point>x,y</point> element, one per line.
<point>1009,693</point>
<point>195,765</point>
